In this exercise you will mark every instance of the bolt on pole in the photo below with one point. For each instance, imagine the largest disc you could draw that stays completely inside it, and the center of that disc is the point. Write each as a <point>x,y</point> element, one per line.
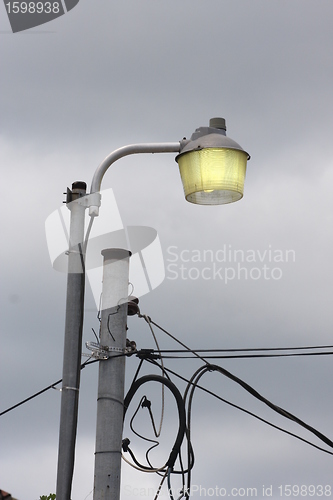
<point>110,400</point>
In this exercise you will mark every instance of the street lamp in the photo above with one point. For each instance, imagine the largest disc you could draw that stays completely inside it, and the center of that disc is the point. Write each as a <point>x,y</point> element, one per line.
<point>212,167</point>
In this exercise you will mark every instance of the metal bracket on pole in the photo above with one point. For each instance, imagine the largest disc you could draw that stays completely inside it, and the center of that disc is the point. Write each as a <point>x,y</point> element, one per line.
<point>93,199</point>
<point>102,351</point>
<point>105,352</point>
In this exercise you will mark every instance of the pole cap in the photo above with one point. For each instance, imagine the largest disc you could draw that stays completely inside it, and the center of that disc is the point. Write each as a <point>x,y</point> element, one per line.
<point>218,123</point>
<point>115,254</point>
<point>79,185</point>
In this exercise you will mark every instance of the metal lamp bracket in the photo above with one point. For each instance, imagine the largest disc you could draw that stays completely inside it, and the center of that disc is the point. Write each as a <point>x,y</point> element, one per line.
<point>103,351</point>
<point>93,199</point>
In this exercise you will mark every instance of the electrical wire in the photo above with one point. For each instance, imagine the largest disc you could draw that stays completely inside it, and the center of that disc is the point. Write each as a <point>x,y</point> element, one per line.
<point>192,386</point>
<point>144,403</point>
<point>162,365</point>
<point>52,386</point>
<point>181,413</point>
<point>169,483</point>
<point>244,411</point>
<point>86,239</point>
<point>147,402</point>
<point>255,393</point>
<point>160,485</point>
<point>252,349</point>
<point>197,351</point>
<point>261,398</point>
<point>248,356</point>
<point>175,339</point>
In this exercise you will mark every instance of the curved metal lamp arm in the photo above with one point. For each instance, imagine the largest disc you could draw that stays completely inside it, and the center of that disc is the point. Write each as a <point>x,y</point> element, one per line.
<point>163,147</point>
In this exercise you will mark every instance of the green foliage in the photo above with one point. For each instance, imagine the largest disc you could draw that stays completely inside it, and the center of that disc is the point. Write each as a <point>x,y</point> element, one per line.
<point>51,496</point>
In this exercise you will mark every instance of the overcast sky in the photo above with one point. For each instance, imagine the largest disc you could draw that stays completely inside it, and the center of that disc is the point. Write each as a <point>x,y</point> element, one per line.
<point>108,74</point>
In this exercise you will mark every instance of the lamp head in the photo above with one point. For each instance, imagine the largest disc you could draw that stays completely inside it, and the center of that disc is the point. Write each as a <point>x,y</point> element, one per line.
<point>212,166</point>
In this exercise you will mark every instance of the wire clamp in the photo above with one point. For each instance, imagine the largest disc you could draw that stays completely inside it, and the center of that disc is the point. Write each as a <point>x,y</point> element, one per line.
<point>147,354</point>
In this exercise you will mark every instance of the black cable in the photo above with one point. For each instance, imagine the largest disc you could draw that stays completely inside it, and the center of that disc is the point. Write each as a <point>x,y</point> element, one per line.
<point>253,348</point>
<point>31,397</point>
<point>190,462</point>
<point>203,358</point>
<point>176,340</point>
<point>247,356</point>
<point>169,483</point>
<point>142,359</point>
<point>180,405</point>
<point>254,393</point>
<point>271,405</point>
<point>160,486</point>
<point>145,403</point>
<point>52,386</point>
<point>194,382</point>
<point>249,413</point>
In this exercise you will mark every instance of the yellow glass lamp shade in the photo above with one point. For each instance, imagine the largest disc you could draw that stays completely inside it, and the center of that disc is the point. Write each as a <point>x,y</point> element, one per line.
<point>212,166</point>
<point>213,176</point>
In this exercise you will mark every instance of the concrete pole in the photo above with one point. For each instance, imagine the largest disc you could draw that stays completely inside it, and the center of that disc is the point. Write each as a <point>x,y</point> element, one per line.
<point>110,401</point>
<point>72,346</point>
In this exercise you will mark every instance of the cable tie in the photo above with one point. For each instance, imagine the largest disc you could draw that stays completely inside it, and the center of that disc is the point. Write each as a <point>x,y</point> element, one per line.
<point>107,451</point>
<point>74,251</point>
<point>69,388</point>
<point>109,398</point>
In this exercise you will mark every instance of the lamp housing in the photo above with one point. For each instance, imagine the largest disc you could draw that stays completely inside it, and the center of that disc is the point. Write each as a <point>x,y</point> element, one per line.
<point>212,166</point>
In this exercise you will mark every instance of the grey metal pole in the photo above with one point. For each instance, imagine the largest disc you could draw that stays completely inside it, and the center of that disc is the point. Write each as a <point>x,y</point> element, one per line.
<point>110,401</point>
<point>72,345</point>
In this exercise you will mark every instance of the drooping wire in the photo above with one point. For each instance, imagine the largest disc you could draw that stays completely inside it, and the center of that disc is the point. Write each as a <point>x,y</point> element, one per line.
<point>162,365</point>
<point>256,394</point>
<point>193,383</point>
<point>199,373</point>
<point>248,412</point>
<point>182,471</point>
<point>31,397</point>
<point>271,405</point>
<point>181,415</point>
<point>52,386</point>
<point>178,341</point>
<point>144,402</point>
<point>253,392</point>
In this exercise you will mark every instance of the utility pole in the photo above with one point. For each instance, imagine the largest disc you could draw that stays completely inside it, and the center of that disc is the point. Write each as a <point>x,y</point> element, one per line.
<point>73,343</point>
<point>110,400</point>
<point>204,184</point>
